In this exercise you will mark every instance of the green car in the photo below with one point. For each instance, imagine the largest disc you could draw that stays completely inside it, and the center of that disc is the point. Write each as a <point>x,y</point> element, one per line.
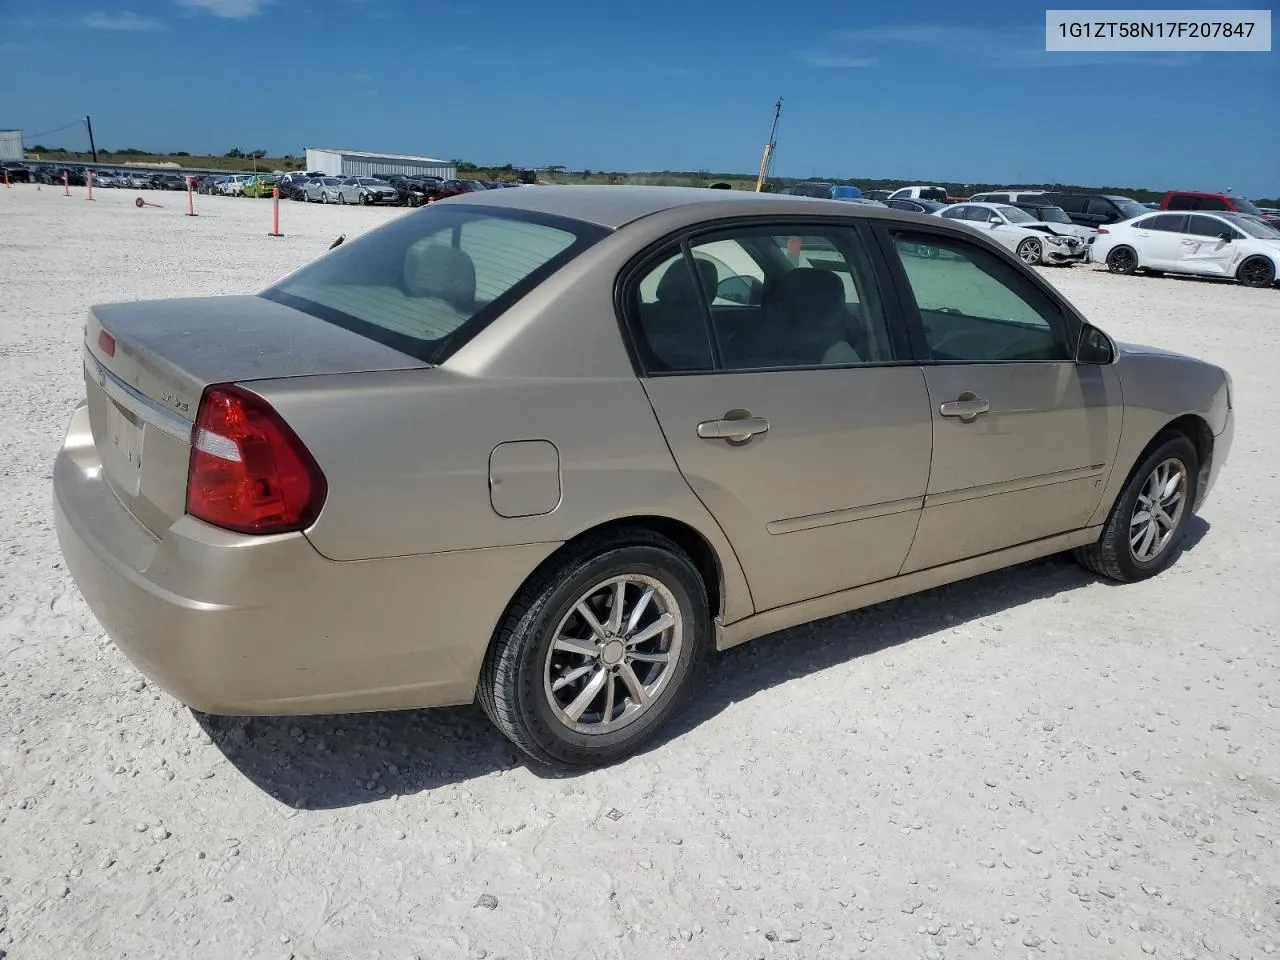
<point>260,186</point>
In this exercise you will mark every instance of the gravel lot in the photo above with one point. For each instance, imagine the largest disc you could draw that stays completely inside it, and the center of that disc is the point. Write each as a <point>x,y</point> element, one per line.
<point>1032,763</point>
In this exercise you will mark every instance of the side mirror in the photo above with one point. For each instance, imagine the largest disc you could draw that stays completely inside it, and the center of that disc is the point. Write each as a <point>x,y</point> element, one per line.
<point>1095,348</point>
<point>1225,236</point>
<point>735,290</point>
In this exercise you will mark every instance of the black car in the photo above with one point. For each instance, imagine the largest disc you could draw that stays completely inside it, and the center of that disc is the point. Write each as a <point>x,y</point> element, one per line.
<point>415,191</point>
<point>1045,212</point>
<point>17,172</point>
<point>915,206</point>
<point>168,181</point>
<point>1096,209</point>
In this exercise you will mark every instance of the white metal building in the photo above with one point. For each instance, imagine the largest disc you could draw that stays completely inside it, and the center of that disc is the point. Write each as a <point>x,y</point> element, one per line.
<point>11,145</point>
<point>359,163</point>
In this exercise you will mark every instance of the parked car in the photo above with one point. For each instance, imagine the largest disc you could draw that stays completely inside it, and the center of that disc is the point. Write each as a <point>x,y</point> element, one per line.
<point>16,171</point>
<point>1185,200</point>
<point>260,186</point>
<point>323,189</point>
<point>293,185</point>
<point>452,188</point>
<point>439,397</point>
<point>916,206</point>
<point>233,186</point>
<point>169,181</point>
<point>1048,212</point>
<point>1006,196</point>
<point>1033,241</point>
<point>1226,245</point>
<point>1095,209</point>
<point>919,193</point>
<point>368,191</point>
<point>416,191</point>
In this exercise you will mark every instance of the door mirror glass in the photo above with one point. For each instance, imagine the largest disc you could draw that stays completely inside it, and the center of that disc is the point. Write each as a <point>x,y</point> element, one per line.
<point>1095,347</point>
<point>1225,236</point>
<point>737,289</point>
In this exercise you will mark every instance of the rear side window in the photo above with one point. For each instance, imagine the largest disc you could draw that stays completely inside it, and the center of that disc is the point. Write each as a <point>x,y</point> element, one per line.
<point>1073,204</point>
<point>427,282</point>
<point>1212,203</point>
<point>1181,202</point>
<point>1165,222</point>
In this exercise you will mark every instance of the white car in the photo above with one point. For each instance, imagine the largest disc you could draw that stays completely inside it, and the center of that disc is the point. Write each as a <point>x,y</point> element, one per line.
<point>919,193</point>
<point>234,186</point>
<point>1202,244</point>
<point>1032,240</point>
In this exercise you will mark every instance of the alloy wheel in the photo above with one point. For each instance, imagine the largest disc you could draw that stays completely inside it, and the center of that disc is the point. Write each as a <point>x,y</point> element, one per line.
<point>613,654</point>
<point>1158,510</point>
<point>1121,260</point>
<point>1256,272</point>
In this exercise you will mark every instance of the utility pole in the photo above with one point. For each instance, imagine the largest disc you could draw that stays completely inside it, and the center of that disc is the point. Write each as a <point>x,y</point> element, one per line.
<point>92,149</point>
<point>769,147</point>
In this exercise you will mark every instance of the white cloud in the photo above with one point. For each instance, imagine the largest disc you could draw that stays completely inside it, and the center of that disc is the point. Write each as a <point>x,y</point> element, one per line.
<point>837,61</point>
<point>126,21</point>
<point>231,9</point>
<point>1016,47</point>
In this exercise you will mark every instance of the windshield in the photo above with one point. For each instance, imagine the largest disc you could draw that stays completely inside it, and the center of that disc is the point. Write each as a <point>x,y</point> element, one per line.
<point>1014,215</point>
<point>1130,208</point>
<point>1244,206</point>
<point>1052,215</point>
<point>1254,228</point>
<point>425,283</point>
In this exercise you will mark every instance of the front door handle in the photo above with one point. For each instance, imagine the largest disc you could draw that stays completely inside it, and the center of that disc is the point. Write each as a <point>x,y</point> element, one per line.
<point>735,431</point>
<point>968,408</point>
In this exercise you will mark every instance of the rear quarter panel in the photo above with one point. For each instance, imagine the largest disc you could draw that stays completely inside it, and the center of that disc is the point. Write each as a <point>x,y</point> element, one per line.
<point>1158,388</point>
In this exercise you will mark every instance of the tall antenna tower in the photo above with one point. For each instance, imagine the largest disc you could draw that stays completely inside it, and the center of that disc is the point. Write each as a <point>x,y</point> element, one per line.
<point>766,161</point>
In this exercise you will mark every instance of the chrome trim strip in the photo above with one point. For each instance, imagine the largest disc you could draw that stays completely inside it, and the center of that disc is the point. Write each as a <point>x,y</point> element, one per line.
<point>849,515</point>
<point>138,403</point>
<point>1013,486</point>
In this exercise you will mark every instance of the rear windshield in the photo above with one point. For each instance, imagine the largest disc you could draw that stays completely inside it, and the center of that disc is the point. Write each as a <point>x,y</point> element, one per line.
<point>426,283</point>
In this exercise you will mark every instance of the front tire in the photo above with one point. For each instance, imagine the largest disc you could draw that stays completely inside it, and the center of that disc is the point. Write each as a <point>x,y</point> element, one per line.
<point>1256,271</point>
<point>598,651</point>
<point>1123,260</point>
<point>1149,519</point>
<point>1030,252</point>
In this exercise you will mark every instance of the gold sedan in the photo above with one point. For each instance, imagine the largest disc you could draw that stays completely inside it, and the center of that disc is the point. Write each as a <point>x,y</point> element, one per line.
<point>550,448</point>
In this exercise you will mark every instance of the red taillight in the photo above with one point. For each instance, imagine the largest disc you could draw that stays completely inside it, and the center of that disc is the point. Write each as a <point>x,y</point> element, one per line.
<point>106,343</point>
<point>1103,230</point>
<point>249,472</point>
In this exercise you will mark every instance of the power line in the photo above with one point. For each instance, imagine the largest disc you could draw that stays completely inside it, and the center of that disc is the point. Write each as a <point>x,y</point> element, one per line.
<point>65,126</point>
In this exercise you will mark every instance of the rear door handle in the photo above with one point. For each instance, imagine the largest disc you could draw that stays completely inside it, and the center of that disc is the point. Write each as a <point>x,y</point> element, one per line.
<point>968,408</point>
<point>735,431</point>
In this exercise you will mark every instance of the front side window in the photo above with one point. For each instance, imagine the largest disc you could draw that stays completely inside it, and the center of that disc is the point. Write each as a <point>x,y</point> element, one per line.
<point>1212,203</point>
<point>980,214</point>
<point>424,283</point>
<point>1014,215</point>
<point>1100,208</point>
<point>954,213</point>
<point>975,307</point>
<point>1202,226</point>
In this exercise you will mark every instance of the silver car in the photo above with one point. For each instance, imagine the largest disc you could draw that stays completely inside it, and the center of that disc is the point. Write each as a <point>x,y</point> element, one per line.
<point>367,191</point>
<point>551,448</point>
<point>323,189</point>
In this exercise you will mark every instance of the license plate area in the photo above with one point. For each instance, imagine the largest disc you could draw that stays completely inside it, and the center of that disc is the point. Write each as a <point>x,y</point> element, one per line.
<point>121,449</point>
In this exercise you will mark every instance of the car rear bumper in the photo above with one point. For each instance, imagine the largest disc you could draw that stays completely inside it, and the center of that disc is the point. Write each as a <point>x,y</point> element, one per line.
<point>242,625</point>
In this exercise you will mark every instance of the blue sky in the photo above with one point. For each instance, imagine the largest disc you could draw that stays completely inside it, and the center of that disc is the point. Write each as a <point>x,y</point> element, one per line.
<point>926,90</point>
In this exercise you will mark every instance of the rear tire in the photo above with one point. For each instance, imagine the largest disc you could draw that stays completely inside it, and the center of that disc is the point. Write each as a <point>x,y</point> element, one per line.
<point>1115,555</point>
<point>534,692</point>
<point>1256,271</point>
<point>1122,260</point>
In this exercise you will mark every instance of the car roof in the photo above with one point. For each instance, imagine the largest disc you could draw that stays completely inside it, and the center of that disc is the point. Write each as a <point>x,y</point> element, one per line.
<point>614,206</point>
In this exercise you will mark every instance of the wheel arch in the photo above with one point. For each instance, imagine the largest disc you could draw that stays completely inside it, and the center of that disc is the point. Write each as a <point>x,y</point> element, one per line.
<point>1196,429</point>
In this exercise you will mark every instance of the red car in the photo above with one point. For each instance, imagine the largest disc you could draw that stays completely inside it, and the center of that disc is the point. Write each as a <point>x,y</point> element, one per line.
<point>1188,200</point>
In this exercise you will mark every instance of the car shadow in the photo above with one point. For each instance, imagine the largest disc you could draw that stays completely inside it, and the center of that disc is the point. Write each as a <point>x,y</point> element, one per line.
<point>334,761</point>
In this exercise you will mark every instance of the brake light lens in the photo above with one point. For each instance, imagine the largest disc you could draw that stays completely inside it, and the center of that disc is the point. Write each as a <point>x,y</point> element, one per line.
<point>106,343</point>
<point>249,472</point>
<point>1102,230</point>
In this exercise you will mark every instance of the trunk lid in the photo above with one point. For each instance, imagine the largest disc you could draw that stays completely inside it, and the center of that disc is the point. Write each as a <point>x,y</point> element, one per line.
<point>147,364</point>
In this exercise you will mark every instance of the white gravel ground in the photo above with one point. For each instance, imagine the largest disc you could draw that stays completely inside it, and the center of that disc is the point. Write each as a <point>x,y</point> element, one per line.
<point>1030,763</point>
